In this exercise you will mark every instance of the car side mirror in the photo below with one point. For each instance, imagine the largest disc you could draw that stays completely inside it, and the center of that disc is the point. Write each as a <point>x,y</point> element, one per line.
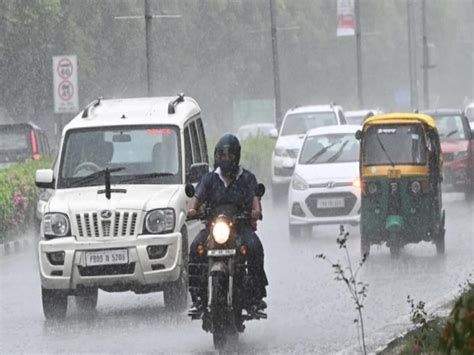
<point>196,172</point>
<point>260,190</point>
<point>274,133</point>
<point>44,179</point>
<point>359,134</point>
<point>189,190</point>
<point>472,134</point>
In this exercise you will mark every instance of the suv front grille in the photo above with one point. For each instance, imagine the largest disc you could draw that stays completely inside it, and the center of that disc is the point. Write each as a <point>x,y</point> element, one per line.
<point>120,224</point>
<point>103,270</point>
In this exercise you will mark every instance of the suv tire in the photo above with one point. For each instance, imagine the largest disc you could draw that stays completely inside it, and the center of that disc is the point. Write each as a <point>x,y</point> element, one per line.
<point>86,299</point>
<point>175,294</point>
<point>54,303</point>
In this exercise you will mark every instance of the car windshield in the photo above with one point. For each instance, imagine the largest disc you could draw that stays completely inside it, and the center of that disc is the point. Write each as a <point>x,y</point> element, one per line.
<point>141,155</point>
<point>299,123</point>
<point>450,127</point>
<point>331,148</point>
<point>14,144</point>
<point>390,145</point>
<point>356,119</point>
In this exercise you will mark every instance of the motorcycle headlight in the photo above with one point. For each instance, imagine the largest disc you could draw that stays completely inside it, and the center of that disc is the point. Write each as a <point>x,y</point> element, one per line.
<point>159,221</point>
<point>298,183</point>
<point>56,225</point>
<point>372,188</point>
<point>281,152</point>
<point>221,232</point>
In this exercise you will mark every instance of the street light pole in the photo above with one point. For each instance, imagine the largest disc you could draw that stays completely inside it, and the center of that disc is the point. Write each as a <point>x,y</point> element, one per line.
<point>276,68</point>
<point>426,62</point>
<point>411,57</point>
<point>360,96</point>
<point>148,17</point>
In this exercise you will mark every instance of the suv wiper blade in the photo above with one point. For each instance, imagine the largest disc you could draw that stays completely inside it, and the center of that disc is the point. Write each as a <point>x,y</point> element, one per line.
<point>451,133</point>
<point>147,176</point>
<point>93,176</point>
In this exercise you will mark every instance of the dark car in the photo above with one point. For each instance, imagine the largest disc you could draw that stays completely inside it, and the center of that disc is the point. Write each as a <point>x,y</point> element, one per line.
<point>20,142</point>
<point>457,146</point>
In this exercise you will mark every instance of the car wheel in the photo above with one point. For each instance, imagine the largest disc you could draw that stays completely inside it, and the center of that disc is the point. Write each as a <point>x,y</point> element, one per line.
<point>86,299</point>
<point>279,193</point>
<point>54,303</point>
<point>469,192</point>
<point>175,294</point>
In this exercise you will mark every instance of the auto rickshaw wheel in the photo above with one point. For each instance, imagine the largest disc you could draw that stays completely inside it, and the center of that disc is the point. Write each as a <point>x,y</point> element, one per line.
<point>439,242</point>
<point>395,245</point>
<point>364,245</point>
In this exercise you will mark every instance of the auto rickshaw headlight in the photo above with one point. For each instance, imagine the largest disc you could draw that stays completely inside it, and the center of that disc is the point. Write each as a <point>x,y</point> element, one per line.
<point>415,187</point>
<point>372,188</point>
<point>221,232</point>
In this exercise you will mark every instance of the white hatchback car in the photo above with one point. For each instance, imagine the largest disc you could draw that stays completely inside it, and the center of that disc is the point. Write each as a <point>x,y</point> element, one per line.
<point>116,219</point>
<point>296,123</point>
<point>325,187</point>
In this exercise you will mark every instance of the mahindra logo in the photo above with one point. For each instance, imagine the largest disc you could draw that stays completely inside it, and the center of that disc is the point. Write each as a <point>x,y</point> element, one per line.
<point>106,214</point>
<point>330,184</point>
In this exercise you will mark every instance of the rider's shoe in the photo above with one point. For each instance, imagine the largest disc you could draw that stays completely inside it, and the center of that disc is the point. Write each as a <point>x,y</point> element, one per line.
<point>195,311</point>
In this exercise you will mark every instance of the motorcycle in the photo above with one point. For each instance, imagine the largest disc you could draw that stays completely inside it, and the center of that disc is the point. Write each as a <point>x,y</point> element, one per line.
<point>228,281</point>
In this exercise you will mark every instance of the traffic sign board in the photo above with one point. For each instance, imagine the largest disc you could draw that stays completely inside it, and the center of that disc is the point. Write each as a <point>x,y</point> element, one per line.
<point>65,84</point>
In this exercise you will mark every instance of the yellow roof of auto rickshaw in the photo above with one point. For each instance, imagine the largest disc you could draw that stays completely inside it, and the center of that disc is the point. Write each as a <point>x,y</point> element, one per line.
<point>401,118</point>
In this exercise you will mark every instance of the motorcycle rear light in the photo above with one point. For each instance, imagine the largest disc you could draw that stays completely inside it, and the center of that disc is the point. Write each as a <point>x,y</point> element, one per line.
<point>56,258</point>
<point>156,251</point>
<point>243,250</point>
<point>201,250</point>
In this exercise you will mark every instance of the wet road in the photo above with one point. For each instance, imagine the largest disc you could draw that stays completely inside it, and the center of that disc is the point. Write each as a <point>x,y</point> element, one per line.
<point>309,312</point>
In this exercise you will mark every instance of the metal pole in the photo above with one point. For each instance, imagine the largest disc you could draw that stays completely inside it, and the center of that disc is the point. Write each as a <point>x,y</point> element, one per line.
<point>276,68</point>
<point>426,62</point>
<point>410,55</point>
<point>148,17</point>
<point>360,95</point>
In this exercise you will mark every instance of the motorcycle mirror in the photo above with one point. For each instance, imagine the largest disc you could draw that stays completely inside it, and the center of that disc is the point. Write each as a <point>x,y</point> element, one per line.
<point>260,190</point>
<point>189,190</point>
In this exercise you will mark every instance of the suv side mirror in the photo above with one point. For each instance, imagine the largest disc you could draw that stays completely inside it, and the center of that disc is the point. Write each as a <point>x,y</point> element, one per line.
<point>189,190</point>
<point>44,179</point>
<point>274,133</point>
<point>359,134</point>
<point>260,190</point>
<point>196,172</point>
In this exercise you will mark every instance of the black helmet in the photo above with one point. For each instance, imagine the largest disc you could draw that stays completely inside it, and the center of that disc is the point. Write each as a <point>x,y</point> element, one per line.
<point>230,144</point>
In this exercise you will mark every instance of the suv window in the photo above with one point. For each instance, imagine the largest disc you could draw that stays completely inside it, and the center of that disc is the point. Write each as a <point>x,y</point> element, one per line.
<point>197,158</point>
<point>299,123</point>
<point>450,127</point>
<point>202,141</point>
<point>188,153</point>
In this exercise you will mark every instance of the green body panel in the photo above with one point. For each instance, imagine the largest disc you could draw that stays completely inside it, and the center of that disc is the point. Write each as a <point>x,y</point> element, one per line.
<point>418,219</point>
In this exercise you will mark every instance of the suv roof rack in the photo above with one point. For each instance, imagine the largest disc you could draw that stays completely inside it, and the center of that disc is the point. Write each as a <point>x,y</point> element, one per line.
<point>95,103</point>
<point>173,103</point>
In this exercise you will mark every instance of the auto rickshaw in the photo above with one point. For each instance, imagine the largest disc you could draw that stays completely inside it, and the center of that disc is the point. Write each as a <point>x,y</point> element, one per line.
<point>401,175</point>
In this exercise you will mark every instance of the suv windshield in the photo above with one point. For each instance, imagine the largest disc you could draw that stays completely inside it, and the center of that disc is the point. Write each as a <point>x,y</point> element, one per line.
<point>14,143</point>
<point>450,127</point>
<point>389,144</point>
<point>141,155</point>
<point>299,123</point>
<point>333,148</point>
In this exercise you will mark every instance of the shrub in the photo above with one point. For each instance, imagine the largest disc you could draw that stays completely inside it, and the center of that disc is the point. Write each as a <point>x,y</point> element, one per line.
<point>18,196</point>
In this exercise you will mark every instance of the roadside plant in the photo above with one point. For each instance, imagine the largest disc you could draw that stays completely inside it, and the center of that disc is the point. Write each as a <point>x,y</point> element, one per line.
<point>458,334</point>
<point>358,290</point>
<point>419,318</point>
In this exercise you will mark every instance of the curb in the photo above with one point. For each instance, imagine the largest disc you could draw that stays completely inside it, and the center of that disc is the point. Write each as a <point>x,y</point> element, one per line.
<point>16,246</point>
<point>380,338</point>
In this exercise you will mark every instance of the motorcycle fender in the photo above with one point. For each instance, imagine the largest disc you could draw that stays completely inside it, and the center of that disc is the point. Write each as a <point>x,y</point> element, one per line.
<point>394,223</point>
<point>219,267</point>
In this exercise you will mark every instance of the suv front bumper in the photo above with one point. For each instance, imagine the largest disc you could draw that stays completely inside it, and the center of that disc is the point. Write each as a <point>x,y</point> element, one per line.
<point>140,270</point>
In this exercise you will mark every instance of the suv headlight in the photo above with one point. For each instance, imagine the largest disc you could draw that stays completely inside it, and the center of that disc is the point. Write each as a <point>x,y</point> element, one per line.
<point>56,225</point>
<point>281,152</point>
<point>298,183</point>
<point>159,221</point>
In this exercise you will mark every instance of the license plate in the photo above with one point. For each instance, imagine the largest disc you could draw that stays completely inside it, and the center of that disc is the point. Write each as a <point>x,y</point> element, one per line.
<point>107,257</point>
<point>330,203</point>
<point>221,252</point>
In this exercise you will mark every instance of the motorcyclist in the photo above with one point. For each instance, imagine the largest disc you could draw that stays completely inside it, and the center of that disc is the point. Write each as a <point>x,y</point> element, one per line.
<point>229,183</point>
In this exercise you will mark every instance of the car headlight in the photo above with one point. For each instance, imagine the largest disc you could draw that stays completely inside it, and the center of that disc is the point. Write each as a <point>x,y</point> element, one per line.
<point>281,152</point>
<point>460,154</point>
<point>56,225</point>
<point>159,221</point>
<point>298,183</point>
<point>221,232</point>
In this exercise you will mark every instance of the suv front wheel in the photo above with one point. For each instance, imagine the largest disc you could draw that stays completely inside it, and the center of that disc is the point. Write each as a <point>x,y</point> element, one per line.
<point>54,303</point>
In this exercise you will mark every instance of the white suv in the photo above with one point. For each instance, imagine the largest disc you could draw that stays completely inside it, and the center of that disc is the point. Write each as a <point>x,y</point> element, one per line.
<point>116,220</point>
<point>296,123</point>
